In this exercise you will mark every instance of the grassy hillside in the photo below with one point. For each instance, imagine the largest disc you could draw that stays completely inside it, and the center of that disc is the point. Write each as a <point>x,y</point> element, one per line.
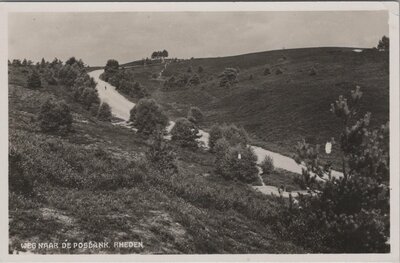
<point>94,184</point>
<point>280,109</point>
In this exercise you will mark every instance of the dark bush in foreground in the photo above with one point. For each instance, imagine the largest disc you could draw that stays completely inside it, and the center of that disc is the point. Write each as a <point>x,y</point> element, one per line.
<point>267,165</point>
<point>148,117</point>
<point>55,116</point>
<point>185,133</point>
<point>34,81</point>
<point>104,113</point>
<point>348,214</point>
<point>267,71</point>
<point>161,155</point>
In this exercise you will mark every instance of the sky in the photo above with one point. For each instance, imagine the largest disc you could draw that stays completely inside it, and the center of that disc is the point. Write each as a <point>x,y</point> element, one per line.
<point>97,37</point>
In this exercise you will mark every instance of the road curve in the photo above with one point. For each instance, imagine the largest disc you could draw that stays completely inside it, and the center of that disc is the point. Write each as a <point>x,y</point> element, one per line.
<point>121,107</point>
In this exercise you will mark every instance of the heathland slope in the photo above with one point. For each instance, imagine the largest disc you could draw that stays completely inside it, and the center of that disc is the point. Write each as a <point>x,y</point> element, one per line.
<point>95,184</point>
<point>281,96</point>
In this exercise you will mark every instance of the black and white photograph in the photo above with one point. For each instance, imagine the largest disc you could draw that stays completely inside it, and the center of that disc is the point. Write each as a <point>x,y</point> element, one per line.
<point>184,131</point>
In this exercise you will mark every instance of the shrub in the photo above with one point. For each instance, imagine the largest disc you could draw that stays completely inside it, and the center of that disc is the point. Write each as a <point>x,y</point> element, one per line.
<point>228,77</point>
<point>251,77</point>
<point>161,155</point>
<point>278,71</point>
<point>237,163</point>
<point>34,81</point>
<point>349,214</point>
<point>195,115</point>
<point>231,133</point>
<point>148,117</point>
<point>267,71</point>
<point>267,165</point>
<point>55,116</point>
<point>200,70</point>
<point>104,113</point>
<point>194,80</point>
<point>185,133</point>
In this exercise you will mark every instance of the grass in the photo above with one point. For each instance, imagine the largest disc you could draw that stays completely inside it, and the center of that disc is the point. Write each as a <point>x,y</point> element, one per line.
<point>94,185</point>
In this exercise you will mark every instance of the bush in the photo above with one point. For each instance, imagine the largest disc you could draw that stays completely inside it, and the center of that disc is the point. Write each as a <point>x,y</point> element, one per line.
<point>384,43</point>
<point>349,214</point>
<point>185,133</point>
<point>200,70</point>
<point>104,113</point>
<point>161,155</point>
<point>194,80</point>
<point>267,165</point>
<point>278,71</point>
<point>55,116</point>
<point>34,81</point>
<point>267,71</point>
<point>148,117</point>
<point>251,77</point>
<point>195,115</point>
<point>236,163</point>
<point>228,77</point>
<point>231,133</point>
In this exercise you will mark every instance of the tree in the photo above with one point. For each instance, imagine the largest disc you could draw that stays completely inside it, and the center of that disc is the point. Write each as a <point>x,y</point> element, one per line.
<point>55,116</point>
<point>34,81</point>
<point>185,133</point>
<point>350,213</point>
<point>384,43</point>
<point>111,66</point>
<point>148,117</point>
<point>267,165</point>
<point>164,53</point>
<point>237,163</point>
<point>24,62</point>
<point>195,115</point>
<point>231,133</point>
<point>104,113</point>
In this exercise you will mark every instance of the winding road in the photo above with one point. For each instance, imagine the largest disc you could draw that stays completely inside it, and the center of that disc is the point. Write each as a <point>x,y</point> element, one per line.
<point>120,107</point>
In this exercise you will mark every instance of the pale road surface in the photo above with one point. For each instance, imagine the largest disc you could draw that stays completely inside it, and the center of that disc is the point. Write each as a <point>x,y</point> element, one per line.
<point>121,107</point>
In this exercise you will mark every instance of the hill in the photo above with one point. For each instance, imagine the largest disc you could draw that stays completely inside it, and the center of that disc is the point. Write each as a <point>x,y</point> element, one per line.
<point>95,184</point>
<point>281,108</point>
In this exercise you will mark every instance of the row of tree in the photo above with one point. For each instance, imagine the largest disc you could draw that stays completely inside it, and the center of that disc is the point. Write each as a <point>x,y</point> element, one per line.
<point>159,54</point>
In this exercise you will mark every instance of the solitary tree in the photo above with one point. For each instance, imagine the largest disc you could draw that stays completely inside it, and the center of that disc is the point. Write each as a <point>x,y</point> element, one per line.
<point>347,213</point>
<point>148,117</point>
<point>55,116</point>
<point>104,113</point>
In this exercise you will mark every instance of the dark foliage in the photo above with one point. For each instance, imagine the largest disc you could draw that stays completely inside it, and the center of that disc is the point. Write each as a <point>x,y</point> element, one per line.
<point>55,116</point>
<point>185,133</point>
<point>34,81</point>
<point>148,117</point>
